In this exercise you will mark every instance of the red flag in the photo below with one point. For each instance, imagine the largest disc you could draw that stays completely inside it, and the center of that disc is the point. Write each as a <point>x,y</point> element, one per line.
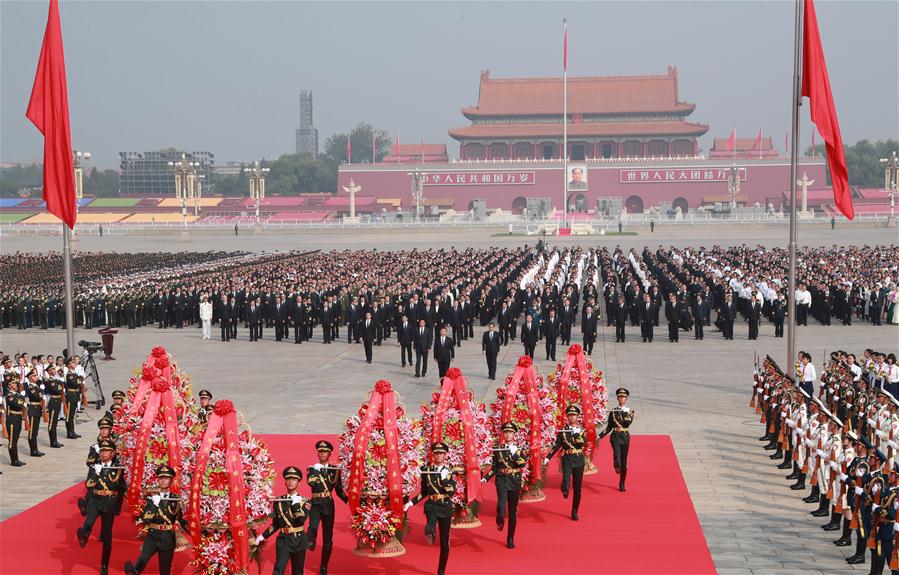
<point>758,141</point>
<point>732,141</point>
<point>48,110</point>
<point>816,86</point>
<point>565,47</point>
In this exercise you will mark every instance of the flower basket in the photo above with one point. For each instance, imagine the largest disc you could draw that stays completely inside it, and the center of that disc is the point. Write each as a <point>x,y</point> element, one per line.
<point>381,451</point>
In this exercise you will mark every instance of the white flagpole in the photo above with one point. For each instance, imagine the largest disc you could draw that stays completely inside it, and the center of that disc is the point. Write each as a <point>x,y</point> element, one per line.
<point>565,127</point>
<point>794,168</point>
<point>67,273</point>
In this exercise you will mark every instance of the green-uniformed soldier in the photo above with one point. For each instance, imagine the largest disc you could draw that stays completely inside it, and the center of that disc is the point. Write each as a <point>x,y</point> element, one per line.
<point>160,517</point>
<point>93,454</point>
<point>508,461</point>
<point>438,485</point>
<point>105,486</point>
<point>35,396</point>
<point>15,417</point>
<point>55,390</point>
<point>74,387</point>
<point>571,440</point>
<point>288,516</point>
<point>324,481</point>
<point>205,405</point>
<point>118,399</point>
<point>620,420</point>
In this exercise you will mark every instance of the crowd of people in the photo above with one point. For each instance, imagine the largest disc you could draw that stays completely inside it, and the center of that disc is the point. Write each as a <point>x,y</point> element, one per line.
<point>840,439</point>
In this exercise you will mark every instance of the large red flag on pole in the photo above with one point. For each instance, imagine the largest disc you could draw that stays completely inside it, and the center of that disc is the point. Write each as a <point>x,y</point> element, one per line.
<point>48,110</point>
<point>816,86</point>
<point>732,141</point>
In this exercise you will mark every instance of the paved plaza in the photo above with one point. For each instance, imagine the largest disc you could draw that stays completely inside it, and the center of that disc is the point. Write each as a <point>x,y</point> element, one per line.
<point>696,392</point>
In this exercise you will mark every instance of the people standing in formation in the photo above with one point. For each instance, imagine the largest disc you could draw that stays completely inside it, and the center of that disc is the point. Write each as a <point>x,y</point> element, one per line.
<point>840,439</point>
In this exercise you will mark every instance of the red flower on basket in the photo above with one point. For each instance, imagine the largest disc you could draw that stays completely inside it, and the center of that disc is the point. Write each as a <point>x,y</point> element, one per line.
<point>524,361</point>
<point>158,450</point>
<point>575,349</point>
<point>218,480</point>
<point>148,373</point>
<point>223,407</point>
<point>160,385</point>
<point>383,386</point>
<point>158,351</point>
<point>453,372</point>
<point>453,430</point>
<point>161,362</point>
<point>379,450</point>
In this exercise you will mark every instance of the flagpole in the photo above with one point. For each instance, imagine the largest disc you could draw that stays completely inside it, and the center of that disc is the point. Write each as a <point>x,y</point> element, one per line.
<point>565,129</point>
<point>67,273</point>
<point>794,168</point>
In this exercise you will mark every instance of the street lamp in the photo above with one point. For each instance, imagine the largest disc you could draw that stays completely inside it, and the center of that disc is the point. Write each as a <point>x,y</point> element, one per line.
<point>186,186</point>
<point>418,186</point>
<point>891,181</point>
<point>257,187</point>
<point>79,159</point>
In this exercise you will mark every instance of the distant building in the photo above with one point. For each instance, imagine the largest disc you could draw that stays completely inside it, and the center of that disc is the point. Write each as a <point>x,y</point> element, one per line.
<point>228,169</point>
<point>307,133</point>
<point>149,173</point>
<point>743,148</point>
<point>416,153</point>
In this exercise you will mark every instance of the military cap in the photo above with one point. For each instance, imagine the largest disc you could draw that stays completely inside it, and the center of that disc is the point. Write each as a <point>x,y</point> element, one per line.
<point>53,367</point>
<point>205,393</point>
<point>106,444</point>
<point>573,410</point>
<point>853,436</point>
<point>878,454</point>
<point>165,471</point>
<point>118,394</point>
<point>104,422</point>
<point>835,419</point>
<point>31,372</point>
<point>510,426</point>
<point>622,391</point>
<point>322,445</point>
<point>292,471</point>
<point>439,447</point>
<point>866,443</point>
<point>6,358</point>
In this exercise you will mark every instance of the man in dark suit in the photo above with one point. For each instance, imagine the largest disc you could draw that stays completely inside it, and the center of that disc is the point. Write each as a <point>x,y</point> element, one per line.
<point>225,319</point>
<point>279,310</point>
<point>504,318</point>
<point>490,347</point>
<point>444,351</point>
<point>728,314</point>
<point>404,335</point>
<point>422,340</point>
<point>754,314</point>
<point>566,320</point>
<point>529,335</point>
<point>296,319</point>
<point>699,315</point>
<point>672,315</point>
<point>253,321</point>
<point>352,321</point>
<point>551,327</point>
<point>588,328</point>
<point>618,311</point>
<point>647,318</point>
<point>327,318</point>
<point>368,329</point>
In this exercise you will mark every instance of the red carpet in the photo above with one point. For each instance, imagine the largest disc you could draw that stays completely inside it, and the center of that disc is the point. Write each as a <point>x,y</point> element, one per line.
<point>650,529</point>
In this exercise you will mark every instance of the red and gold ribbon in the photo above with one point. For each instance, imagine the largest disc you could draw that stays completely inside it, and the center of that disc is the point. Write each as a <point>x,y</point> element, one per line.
<point>454,385</point>
<point>576,357</point>
<point>524,375</point>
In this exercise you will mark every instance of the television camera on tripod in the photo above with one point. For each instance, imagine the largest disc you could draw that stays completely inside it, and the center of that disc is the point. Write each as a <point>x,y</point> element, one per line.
<point>91,375</point>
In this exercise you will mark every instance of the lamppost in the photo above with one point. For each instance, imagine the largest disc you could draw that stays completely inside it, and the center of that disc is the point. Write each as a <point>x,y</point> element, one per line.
<point>185,185</point>
<point>79,159</point>
<point>256,175</point>
<point>733,187</point>
<point>891,181</point>
<point>418,186</point>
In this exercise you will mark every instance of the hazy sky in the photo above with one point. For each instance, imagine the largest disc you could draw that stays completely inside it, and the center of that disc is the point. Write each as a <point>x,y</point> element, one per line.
<point>225,76</point>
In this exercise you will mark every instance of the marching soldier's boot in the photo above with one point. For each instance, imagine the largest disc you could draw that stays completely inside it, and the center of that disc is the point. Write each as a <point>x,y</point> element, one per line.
<point>311,537</point>
<point>510,541</point>
<point>859,556</point>
<point>441,565</point>
<point>104,559</point>
<point>32,445</point>
<point>623,476</point>
<point>326,557</point>
<point>796,471</point>
<point>575,504</point>
<point>771,445</point>
<point>822,508</point>
<point>788,456</point>
<point>846,538</point>
<point>14,455</point>
<point>877,565</point>
<point>834,522</point>
<point>765,437</point>
<point>778,453</point>
<point>814,496</point>
<point>800,482</point>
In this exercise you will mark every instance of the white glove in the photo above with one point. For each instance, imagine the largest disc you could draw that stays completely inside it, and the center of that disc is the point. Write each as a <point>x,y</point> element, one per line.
<point>801,432</point>
<point>513,449</point>
<point>407,506</point>
<point>765,397</point>
<point>156,499</point>
<point>576,429</point>
<point>317,466</point>
<point>625,409</point>
<point>874,507</point>
<point>294,499</point>
<point>895,526</point>
<point>97,468</point>
<point>881,434</point>
<point>483,480</point>
<point>783,413</point>
<point>859,473</point>
<point>875,488</point>
<point>848,404</point>
<point>444,473</point>
<point>843,477</point>
<point>820,453</point>
<point>791,423</point>
<point>834,465</point>
<point>96,447</point>
<point>859,491</point>
<point>545,460</point>
<point>42,387</point>
<point>259,539</point>
<point>870,422</point>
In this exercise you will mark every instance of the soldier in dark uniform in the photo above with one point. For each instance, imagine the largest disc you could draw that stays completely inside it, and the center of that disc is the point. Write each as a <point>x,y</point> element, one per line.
<point>205,405</point>
<point>104,425</point>
<point>438,485</point>
<point>324,481</point>
<point>35,396</point>
<point>508,461</point>
<point>55,390</point>
<point>118,399</point>
<point>288,517</point>
<point>620,420</point>
<point>160,517</point>
<point>571,440</point>
<point>74,387</point>
<point>15,417</point>
<point>105,485</point>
